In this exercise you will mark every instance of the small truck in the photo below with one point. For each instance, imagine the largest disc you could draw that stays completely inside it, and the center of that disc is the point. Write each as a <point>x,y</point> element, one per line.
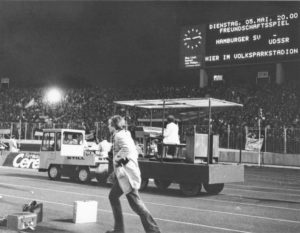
<point>64,153</point>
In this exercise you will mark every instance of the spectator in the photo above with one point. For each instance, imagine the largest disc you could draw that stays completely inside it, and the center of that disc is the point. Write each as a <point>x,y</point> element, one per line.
<point>280,104</point>
<point>105,148</point>
<point>13,147</point>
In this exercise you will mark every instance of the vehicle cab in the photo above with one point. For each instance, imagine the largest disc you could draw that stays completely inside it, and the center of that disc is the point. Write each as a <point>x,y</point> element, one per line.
<point>64,152</point>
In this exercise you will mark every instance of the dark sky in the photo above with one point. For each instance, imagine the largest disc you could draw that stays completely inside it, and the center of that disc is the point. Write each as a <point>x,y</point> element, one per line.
<point>106,43</point>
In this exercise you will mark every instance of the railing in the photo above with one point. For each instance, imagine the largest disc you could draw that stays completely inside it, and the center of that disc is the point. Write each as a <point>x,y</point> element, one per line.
<point>27,130</point>
<point>278,140</point>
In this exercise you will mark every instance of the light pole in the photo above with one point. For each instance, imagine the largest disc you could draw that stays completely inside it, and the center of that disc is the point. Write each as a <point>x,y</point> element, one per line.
<point>260,118</point>
<point>20,126</point>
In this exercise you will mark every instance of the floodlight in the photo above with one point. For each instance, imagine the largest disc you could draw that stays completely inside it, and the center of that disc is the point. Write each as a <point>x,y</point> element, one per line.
<point>53,95</point>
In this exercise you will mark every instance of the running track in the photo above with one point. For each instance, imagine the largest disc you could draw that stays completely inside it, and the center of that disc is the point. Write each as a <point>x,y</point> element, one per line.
<point>267,202</point>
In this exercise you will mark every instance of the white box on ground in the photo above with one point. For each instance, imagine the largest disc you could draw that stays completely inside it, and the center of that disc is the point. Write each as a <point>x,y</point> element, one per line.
<point>85,211</point>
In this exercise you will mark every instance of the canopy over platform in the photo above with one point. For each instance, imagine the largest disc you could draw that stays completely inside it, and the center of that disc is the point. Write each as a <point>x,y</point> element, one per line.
<point>181,116</point>
<point>178,103</point>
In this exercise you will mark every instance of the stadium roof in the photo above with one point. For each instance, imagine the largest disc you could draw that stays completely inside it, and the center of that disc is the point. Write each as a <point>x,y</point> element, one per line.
<point>178,103</point>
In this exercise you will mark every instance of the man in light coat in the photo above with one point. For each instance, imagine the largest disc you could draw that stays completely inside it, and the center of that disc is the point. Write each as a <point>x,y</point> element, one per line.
<point>128,178</point>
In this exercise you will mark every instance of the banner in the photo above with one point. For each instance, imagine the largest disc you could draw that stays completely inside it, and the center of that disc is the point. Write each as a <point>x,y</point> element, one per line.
<point>89,136</point>
<point>4,131</point>
<point>30,103</point>
<point>22,160</point>
<point>38,133</point>
<point>253,144</point>
<point>263,74</point>
<point>5,80</point>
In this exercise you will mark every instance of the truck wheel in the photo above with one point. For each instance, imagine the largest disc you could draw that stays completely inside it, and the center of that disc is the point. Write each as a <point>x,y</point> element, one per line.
<point>54,172</point>
<point>83,175</point>
<point>213,188</point>
<point>144,184</point>
<point>190,189</point>
<point>162,184</point>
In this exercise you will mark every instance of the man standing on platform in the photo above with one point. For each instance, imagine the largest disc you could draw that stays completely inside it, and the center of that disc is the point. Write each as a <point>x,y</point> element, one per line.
<point>171,135</point>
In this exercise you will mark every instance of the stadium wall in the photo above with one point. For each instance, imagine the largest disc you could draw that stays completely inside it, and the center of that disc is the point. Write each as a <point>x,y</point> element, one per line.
<point>267,158</point>
<point>30,151</point>
<point>3,156</point>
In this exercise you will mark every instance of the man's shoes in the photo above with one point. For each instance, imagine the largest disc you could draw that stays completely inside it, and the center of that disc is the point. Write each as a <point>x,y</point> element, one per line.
<point>115,231</point>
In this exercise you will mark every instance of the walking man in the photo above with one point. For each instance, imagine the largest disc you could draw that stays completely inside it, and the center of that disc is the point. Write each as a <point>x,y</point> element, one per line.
<point>127,178</point>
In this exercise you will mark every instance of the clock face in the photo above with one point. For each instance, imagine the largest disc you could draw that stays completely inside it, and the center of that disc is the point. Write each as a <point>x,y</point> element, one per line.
<point>192,38</point>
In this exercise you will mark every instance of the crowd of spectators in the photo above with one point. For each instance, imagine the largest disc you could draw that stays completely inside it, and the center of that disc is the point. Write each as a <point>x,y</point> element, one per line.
<point>279,103</point>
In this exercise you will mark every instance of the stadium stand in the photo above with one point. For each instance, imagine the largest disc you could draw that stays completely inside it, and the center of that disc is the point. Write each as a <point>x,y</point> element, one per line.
<point>280,104</point>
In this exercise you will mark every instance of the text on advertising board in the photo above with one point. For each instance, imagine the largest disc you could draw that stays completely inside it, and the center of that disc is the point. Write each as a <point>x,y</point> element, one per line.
<point>27,161</point>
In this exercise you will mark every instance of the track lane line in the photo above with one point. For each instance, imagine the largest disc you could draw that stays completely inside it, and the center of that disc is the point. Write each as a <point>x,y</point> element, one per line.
<point>248,204</point>
<point>272,178</point>
<point>258,191</point>
<point>200,198</point>
<point>173,206</point>
<point>224,212</point>
<point>253,186</point>
<point>235,185</point>
<point>33,187</point>
<point>266,199</point>
<point>224,187</point>
<point>134,215</point>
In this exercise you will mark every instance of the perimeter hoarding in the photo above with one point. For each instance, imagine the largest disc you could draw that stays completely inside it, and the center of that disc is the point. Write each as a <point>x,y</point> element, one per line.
<point>263,39</point>
<point>24,159</point>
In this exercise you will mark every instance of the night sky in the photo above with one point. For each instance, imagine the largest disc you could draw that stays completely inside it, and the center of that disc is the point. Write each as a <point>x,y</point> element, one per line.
<point>106,43</point>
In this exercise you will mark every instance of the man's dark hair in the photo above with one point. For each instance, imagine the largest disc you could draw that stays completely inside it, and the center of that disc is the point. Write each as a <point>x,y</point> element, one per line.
<point>170,118</point>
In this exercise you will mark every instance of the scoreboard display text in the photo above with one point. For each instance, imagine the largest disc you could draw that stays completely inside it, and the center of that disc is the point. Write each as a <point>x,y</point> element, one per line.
<point>252,40</point>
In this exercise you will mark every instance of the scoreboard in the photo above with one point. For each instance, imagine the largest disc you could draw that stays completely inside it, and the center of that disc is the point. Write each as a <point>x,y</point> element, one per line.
<point>252,40</point>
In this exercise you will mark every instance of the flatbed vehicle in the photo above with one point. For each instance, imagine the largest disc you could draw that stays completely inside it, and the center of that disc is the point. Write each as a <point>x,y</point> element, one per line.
<point>198,165</point>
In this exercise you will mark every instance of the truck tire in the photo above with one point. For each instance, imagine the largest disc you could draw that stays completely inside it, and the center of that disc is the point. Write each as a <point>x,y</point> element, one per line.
<point>190,189</point>
<point>84,175</point>
<point>213,188</point>
<point>144,184</point>
<point>162,184</point>
<point>54,172</point>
